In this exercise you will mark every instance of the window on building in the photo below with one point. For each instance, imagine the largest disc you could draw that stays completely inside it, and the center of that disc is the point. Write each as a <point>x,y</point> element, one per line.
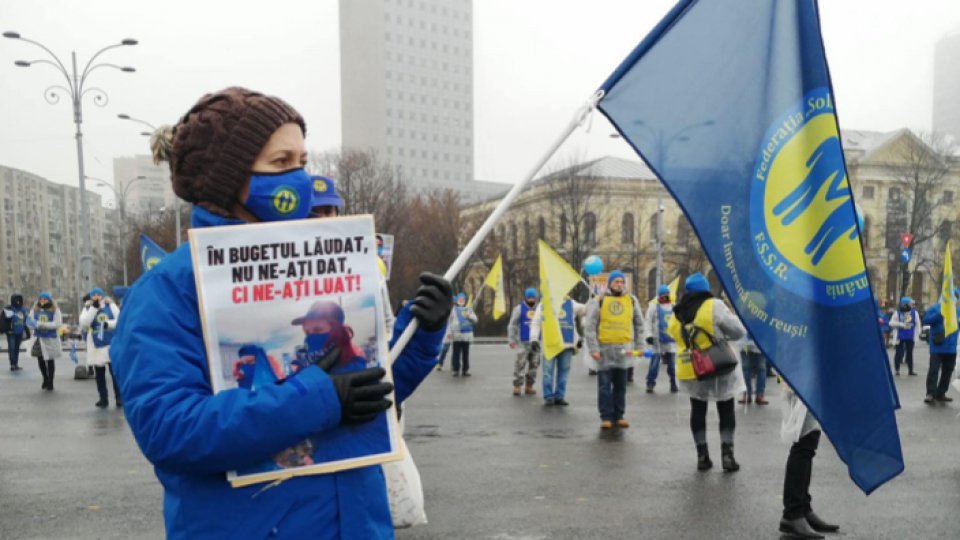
<point>527,237</point>
<point>947,197</point>
<point>563,229</point>
<point>626,229</point>
<point>894,194</point>
<point>513,237</point>
<point>590,229</point>
<point>541,229</point>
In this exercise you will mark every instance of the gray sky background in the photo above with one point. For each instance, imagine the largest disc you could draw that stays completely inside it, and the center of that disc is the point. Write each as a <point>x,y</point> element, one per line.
<point>535,62</point>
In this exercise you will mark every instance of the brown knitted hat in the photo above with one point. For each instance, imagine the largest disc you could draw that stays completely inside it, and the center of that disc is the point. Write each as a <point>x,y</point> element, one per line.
<point>215,144</point>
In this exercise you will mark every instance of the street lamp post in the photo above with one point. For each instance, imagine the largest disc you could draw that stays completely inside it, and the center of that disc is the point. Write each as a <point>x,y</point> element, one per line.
<point>176,200</point>
<point>76,88</point>
<point>121,198</point>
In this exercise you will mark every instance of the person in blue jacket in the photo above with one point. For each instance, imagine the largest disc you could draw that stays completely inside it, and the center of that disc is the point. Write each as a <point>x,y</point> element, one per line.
<point>227,155</point>
<point>943,354</point>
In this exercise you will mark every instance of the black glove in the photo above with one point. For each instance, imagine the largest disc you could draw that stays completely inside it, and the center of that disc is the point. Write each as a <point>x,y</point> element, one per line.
<point>535,347</point>
<point>433,302</point>
<point>329,359</point>
<point>579,344</point>
<point>362,395</point>
<point>649,341</point>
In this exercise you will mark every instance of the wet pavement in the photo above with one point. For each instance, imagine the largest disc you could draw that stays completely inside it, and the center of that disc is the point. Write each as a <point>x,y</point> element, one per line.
<point>500,467</point>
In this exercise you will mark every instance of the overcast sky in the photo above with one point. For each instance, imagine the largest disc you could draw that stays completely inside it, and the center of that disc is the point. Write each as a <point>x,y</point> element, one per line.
<point>535,62</point>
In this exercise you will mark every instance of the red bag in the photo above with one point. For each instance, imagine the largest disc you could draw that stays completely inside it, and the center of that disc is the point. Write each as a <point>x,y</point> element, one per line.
<point>717,359</point>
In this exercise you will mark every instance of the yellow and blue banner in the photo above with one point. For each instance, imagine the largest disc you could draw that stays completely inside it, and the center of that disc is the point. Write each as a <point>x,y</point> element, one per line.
<point>494,280</point>
<point>557,279</point>
<point>948,302</point>
<point>150,253</point>
<point>730,103</point>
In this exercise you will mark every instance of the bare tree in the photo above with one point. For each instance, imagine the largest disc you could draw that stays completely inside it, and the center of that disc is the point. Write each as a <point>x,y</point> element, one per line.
<point>917,167</point>
<point>574,198</point>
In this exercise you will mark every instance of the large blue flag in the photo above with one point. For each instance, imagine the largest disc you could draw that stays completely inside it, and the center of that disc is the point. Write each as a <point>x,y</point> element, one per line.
<point>150,253</point>
<point>730,103</point>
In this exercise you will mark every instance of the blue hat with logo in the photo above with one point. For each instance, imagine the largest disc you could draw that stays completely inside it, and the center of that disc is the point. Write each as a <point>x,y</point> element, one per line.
<point>530,293</point>
<point>322,309</point>
<point>325,193</point>
<point>97,290</point>
<point>614,275</point>
<point>662,290</point>
<point>906,300</point>
<point>696,283</point>
<point>45,296</point>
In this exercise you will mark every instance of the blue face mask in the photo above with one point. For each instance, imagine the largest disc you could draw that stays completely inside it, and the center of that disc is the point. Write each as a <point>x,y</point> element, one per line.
<point>315,342</point>
<point>280,196</point>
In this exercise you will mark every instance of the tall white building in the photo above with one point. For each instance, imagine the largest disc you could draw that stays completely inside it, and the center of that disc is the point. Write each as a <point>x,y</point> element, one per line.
<point>406,71</point>
<point>145,196</point>
<point>946,86</point>
<point>40,239</point>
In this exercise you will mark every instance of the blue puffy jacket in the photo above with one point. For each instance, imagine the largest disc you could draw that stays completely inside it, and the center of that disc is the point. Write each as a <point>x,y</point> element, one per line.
<point>934,318</point>
<point>192,437</point>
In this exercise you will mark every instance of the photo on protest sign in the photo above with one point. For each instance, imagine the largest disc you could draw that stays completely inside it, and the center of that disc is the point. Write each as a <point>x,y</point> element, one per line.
<point>276,298</point>
<point>385,251</point>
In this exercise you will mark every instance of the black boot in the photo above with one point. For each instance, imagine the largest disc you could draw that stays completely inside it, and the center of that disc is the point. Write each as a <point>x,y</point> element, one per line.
<point>51,369</point>
<point>703,458</point>
<point>726,456</point>
<point>820,525</point>
<point>798,528</point>
<point>42,364</point>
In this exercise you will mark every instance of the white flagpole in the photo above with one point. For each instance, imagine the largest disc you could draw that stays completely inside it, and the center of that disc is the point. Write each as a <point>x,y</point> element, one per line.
<point>578,119</point>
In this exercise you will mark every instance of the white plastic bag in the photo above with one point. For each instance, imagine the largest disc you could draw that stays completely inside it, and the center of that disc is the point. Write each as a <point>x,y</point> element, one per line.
<point>588,360</point>
<point>404,490</point>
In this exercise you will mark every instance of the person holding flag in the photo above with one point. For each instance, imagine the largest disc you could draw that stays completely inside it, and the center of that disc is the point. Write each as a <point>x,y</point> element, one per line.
<point>460,328</point>
<point>942,318</point>
<point>905,321</point>
<point>519,335</point>
<point>665,349</point>
<point>557,368</point>
<point>99,319</point>
<point>613,327</point>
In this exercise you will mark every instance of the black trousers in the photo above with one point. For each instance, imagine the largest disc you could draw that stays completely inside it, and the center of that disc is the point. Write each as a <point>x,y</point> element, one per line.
<point>698,420</point>
<point>461,356</point>
<point>101,374</point>
<point>796,480</point>
<point>47,369</point>
<point>904,352</point>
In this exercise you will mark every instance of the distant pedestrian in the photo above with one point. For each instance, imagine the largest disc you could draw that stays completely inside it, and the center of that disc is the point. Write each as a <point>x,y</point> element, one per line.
<point>943,355</point>
<point>13,323</point>
<point>613,328</point>
<point>754,369</point>
<point>904,323</point>
<point>99,319</point>
<point>518,335</point>
<point>46,319</point>
<point>664,348</point>
<point>460,327</point>
<point>557,369</point>
<point>698,308</point>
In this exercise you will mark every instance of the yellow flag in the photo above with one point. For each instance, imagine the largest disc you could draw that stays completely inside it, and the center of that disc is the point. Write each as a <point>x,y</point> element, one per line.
<point>494,280</point>
<point>557,278</point>
<point>948,303</point>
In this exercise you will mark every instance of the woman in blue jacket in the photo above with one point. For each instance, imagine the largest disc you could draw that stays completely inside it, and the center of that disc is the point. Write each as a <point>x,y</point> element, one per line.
<point>226,156</point>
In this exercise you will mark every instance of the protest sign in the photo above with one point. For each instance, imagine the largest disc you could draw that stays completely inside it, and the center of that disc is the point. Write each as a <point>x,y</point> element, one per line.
<point>275,298</point>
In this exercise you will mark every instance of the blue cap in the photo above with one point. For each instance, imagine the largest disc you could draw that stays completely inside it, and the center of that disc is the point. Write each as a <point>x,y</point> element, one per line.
<point>614,275</point>
<point>530,293</point>
<point>662,290</point>
<point>97,290</point>
<point>325,193</point>
<point>906,300</point>
<point>461,296</point>
<point>323,309</point>
<point>696,283</point>
<point>45,296</point>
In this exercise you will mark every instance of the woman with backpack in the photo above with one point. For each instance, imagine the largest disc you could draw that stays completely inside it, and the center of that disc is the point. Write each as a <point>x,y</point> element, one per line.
<point>703,320</point>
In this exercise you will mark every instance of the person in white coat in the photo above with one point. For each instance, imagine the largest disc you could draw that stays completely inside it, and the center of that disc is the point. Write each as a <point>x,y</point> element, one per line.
<point>45,319</point>
<point>802,430</point>
<point>99,319</point>
<point>664,348</point>
<point>460,328</point>
<point>556,369</point>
